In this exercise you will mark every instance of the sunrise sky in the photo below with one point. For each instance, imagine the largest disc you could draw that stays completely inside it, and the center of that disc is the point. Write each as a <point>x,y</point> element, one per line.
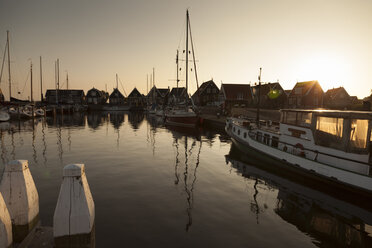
<point>292,40</point>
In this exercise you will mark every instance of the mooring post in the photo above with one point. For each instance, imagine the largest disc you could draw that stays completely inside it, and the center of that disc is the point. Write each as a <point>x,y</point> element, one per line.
<point>21,198</point>
<point>6,238</point>
<point>73,221</point>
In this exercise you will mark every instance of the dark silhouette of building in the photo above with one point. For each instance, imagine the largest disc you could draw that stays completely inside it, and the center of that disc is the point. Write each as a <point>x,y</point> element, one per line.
<point>157,96</point>
<point>207,94</point>
<point>272,96</point>
<point>95,96</point>
<point>65,97</point>
<point>135,99</point>
<point>116,98</point>
<point>306,95</point>
<point>2,98</point>
<point>177,94</point>
<point>235,96</point>
<point>337,98</point>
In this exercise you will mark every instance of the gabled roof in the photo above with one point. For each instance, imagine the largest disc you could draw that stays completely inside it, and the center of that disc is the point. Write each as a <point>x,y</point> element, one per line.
<point>135,93</point>
<point>203,86</point>
<point>99,92</point>
<point>163,92</point>
<point>235,91</point>
<point>305,87</point>
<point>177,91</point>
<point>116,94</point>
<point>333,93</point>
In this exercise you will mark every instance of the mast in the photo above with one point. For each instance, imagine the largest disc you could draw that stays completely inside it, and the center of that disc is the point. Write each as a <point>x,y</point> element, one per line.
<point>32,97</point>
<point>41,81</point>
<point>187,49</point>
<point>10,80</point>
<point>153,76</point>
<point>147,84</point>
<point>258,99</point>
<point>177,69</point>
<point>67,80</point>
<point>117,85</point>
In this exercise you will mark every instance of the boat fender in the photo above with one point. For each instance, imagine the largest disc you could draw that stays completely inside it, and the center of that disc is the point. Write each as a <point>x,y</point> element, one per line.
<point>301,148</point>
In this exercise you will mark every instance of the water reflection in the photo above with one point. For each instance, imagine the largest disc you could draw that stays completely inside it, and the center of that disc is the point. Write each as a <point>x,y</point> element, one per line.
<point>190,168</point>
<point>135,119</point>
<point>117,119</point>
<point>331,222</point>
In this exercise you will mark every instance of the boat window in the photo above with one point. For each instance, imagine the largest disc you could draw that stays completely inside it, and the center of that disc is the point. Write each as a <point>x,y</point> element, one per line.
<point>329,132</point>
<point>245,135</point>
<point>238,131</point>
<point>266,139</point>
<point>290,118</point>
<point>259,136</point>
<point>275,141</point>
<point>358,134</point>
<point>234,129</point>
<point>304,119</point>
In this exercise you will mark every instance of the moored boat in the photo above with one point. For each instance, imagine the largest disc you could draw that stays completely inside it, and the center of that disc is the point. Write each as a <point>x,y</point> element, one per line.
<point>332,145</point>
<point>4,116</point>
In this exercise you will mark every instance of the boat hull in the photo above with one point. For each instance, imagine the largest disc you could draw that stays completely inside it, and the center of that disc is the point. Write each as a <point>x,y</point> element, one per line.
<point>182,121</point>
<point>339,187</point>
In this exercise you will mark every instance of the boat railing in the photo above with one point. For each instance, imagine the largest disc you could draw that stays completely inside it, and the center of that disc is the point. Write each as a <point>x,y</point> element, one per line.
<point>300,151</point>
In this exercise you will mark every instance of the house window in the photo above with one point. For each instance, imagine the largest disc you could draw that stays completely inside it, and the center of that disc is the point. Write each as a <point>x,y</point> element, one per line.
<point>209,90</point>
<point>239,96</point>
<point>275,141</point>
<point>214,90</point>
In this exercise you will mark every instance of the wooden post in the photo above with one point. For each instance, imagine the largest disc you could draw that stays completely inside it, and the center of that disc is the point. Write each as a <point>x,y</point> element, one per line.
<point>6,238</point>
<point>21,198</point>
<point>74,216</point>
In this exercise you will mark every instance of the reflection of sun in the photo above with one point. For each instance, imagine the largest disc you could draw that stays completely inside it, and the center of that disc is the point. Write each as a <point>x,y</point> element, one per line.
<point>331,72</point>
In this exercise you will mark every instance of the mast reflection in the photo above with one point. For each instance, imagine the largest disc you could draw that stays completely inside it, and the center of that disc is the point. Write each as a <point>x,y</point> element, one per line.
<point>330,221</point>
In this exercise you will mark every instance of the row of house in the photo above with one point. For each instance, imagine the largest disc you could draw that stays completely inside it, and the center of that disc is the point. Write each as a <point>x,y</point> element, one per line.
<point>272,96</point>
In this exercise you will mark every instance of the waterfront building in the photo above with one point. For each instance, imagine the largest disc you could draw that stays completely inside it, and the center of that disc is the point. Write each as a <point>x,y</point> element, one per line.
<point>177,93</point>
<point>157,95</point>
<point>116,98</point>
<point>235,97</point>
<point>272,96</point>
<point>207,94</point>
<point>95,96</point>
<point>337,98</point>
<point>135,99</point>
<point>70,97</point>
<point>306,95</point>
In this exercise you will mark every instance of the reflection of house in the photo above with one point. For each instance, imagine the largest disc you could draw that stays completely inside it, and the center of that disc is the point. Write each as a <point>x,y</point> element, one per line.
<point>337,98</point>
<point>116,98</point>
<point>65,96</point>
<point>157,96</point>
<point>177,93</point>
<point>207,94</point>
<point>306,95</point>
<point>272,96</point>
<point>2,98</point>
<point>135,98</point>
<point>95,96</point>
<point>235,96</point>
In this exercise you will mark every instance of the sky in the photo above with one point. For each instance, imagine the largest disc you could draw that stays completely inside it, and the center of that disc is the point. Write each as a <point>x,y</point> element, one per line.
<point>292,40</point>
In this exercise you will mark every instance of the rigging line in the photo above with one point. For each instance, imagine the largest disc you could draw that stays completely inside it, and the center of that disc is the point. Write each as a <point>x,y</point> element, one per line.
<point>2,65</point>
<point>193,56</point>
<point>122,87</point>
<point>24,85</point>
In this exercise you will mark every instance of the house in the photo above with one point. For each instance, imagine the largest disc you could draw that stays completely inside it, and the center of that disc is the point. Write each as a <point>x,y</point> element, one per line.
<point>306,95</point>
<point>272,96</point>
<point>135,98</point>
<point>95,96</point>
<point>70,97</point>
<point>337,98</point>
<point>2,98</point>
<point>116,98</point>
<point>207,94</point>
<point>157,96</point>
<point>177,93</point>
<point>233,96</point>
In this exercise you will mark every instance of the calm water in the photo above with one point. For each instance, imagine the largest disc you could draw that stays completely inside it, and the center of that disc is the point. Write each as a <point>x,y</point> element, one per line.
<point>159,187</point>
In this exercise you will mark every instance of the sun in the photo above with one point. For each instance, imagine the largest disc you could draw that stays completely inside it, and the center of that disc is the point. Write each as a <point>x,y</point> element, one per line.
<point>330,71</point>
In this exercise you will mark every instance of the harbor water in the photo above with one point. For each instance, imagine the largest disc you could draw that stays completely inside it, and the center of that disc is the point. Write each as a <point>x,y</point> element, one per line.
<point>157,186</point>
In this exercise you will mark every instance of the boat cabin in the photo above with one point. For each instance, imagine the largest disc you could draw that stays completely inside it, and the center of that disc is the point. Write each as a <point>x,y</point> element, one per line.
<point>348,131</point>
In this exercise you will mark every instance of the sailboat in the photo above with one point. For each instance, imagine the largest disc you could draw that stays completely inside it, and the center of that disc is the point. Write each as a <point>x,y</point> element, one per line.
<point>182,114</point>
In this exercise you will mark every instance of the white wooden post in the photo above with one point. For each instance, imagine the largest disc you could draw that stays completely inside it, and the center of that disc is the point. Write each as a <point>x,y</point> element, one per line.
<point>6,238</point>
<point>73,222</point>
<point>21,198</point>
